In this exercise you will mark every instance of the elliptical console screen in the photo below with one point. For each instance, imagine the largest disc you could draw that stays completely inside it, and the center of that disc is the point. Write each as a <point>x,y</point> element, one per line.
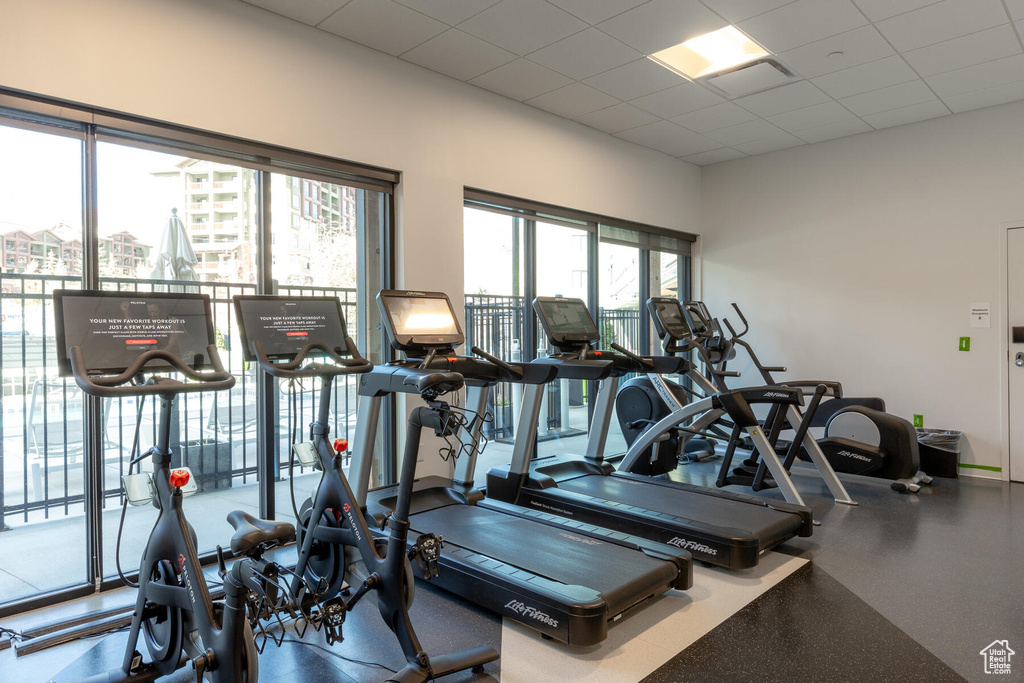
<point>114,328</point>
<point>566,320</point>
<point>284,324</point>
<point>670,316</point>
<point>417,320</point>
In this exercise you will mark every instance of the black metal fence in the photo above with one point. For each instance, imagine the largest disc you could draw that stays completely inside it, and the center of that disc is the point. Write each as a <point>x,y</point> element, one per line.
<point>495,324</point>
<point>42,445</point>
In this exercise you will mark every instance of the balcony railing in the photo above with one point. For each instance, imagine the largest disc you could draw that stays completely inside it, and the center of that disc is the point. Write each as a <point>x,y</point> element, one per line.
<point>42,444</point>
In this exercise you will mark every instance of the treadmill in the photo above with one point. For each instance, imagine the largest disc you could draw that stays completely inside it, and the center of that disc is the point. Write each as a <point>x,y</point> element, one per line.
<point>722,528</point>
<point>566,582</point>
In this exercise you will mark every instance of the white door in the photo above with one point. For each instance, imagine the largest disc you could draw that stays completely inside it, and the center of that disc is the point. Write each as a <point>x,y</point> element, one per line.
<point>1015,322</point>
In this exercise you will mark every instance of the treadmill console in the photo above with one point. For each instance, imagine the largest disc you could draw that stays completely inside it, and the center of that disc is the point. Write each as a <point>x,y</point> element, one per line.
<point>114,328</point>
<point>669,318</point>
<point>419,322</point>
<point>284,324</point>
<point>566,322</point>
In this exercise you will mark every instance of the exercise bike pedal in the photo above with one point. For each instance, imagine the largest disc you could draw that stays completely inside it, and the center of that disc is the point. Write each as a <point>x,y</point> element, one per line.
<point>427,551</point>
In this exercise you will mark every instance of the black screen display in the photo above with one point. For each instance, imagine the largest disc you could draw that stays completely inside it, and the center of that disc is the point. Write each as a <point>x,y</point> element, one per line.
<point>283,325</point>
<point>671,317</point>
<point>567,318</point>
<point>113,329</point>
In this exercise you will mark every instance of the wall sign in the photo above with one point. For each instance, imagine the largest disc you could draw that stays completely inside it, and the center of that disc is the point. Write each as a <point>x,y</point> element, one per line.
<point>981,315</point>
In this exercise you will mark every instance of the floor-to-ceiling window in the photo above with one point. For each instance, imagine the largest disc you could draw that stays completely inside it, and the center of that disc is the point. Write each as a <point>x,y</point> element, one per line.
<point>516,250</point>
<point>41,449</point>
<point>122,204</point>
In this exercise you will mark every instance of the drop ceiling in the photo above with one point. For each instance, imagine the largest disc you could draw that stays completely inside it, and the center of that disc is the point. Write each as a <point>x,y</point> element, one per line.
<point>857,65</point>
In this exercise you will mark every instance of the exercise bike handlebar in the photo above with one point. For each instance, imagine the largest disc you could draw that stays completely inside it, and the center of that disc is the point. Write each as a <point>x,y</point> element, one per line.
<point>290,370</point>
<point>114,386</point>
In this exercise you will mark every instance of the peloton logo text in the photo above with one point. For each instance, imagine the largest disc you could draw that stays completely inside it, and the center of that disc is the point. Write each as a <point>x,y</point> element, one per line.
<point>525,610</point>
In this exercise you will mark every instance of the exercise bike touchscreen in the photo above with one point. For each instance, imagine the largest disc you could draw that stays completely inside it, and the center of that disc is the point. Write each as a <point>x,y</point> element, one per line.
<point>114,328</point>
<point>283,325</point>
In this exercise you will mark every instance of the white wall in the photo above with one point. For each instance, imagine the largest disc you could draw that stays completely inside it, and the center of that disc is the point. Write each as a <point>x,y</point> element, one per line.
<point>857,259</point>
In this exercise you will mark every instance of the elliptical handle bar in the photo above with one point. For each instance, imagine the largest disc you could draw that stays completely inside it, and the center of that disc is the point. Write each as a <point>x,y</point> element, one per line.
<point>516,373</point>
<point>743,318</point>
<point>345,366</point>
<point>646,364</point>
<point>110,386</point>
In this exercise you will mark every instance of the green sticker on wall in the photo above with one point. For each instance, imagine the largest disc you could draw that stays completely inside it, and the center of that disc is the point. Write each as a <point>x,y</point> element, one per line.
<point>919,421</point>
<point>965,343</point>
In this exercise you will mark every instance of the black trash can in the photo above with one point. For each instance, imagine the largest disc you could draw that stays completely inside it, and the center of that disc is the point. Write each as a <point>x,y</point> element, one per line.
<point>940,451</point>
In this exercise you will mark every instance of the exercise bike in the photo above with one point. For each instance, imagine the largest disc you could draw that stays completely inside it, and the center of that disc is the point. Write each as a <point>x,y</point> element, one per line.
<point>331,523</point>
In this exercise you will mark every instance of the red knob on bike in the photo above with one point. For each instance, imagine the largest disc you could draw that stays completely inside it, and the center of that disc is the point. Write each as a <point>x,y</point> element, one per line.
<point>179,478</point>
<point>340,445</point>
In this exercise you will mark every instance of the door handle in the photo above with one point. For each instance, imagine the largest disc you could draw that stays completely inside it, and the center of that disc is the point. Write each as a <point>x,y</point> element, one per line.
<point>1020,359</point>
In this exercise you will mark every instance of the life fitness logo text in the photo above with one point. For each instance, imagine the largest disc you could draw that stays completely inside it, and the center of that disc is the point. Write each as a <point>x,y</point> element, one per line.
<point>522,609</point>
<point>775,394</point>
<point>856,456</point>
<point>693,546</point>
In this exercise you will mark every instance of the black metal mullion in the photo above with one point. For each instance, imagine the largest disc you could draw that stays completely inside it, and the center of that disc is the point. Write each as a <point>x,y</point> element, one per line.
<point>642,297</point>
<point>92,468</point>
<point>266,438</point>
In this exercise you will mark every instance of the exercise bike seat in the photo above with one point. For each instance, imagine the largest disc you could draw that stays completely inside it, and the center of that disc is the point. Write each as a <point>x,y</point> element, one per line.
<point>251,532</point>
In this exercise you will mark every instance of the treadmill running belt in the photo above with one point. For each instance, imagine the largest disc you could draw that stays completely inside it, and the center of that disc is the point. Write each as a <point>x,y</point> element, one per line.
<point>619,574</point>
<point>769,525</point>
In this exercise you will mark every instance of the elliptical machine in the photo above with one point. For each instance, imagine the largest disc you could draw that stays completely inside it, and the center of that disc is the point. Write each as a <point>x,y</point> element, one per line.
<point>859,436</point>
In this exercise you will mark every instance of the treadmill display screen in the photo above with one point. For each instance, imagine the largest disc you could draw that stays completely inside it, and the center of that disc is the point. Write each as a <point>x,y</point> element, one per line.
<point>114,328</point>
<point>566,320</point>
<point>671,316</point>
<point>283,324</point>
<point>417,320</point>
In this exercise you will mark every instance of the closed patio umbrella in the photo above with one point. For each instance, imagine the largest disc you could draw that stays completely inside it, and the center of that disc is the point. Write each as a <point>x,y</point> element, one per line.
<point>175,259</point>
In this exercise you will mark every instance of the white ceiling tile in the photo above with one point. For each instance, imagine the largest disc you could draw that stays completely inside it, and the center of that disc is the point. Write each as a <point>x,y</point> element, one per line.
<point>738,10</point>
<point>522,26</point>
<point>811,117</point>
<point>987,75</point>
<point>916,112</point>
<point>669,138</point>
<point>861,45</point>
<point>458,55</point>
<point>876,10</point>
<point>310,12</point>
<point>941,21</point>
<point>715,156</point>
<point>780,140</point>
<point>619,117</point>
<point>585,54</point>
<point>1016,8</point>
<point>803,22</point>
<point>450,12</point>
<point>866,77</point>
<point>635,79</point>
<point>383,25</point>
<point>659,24</point>
<point>744,132</point>
<point>1000,94</point>
<point>573,100</point>
<point>959,53</point>
<point>833,130</point>
<point>884,99</point>
<point>678,100</point>
<point>713,118</point>
<point>785,98</point>
<point>521,80</point>
<point>596,11</point>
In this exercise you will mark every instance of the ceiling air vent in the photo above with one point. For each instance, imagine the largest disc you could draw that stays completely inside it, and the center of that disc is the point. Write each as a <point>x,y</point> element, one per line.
<point>749,78</point>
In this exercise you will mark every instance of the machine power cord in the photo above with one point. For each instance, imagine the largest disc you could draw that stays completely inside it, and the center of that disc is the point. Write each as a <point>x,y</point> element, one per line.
<point>375,665</point>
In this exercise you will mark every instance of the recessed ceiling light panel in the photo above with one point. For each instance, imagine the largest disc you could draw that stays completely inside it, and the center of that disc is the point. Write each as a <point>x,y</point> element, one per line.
<point>710,53</point>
